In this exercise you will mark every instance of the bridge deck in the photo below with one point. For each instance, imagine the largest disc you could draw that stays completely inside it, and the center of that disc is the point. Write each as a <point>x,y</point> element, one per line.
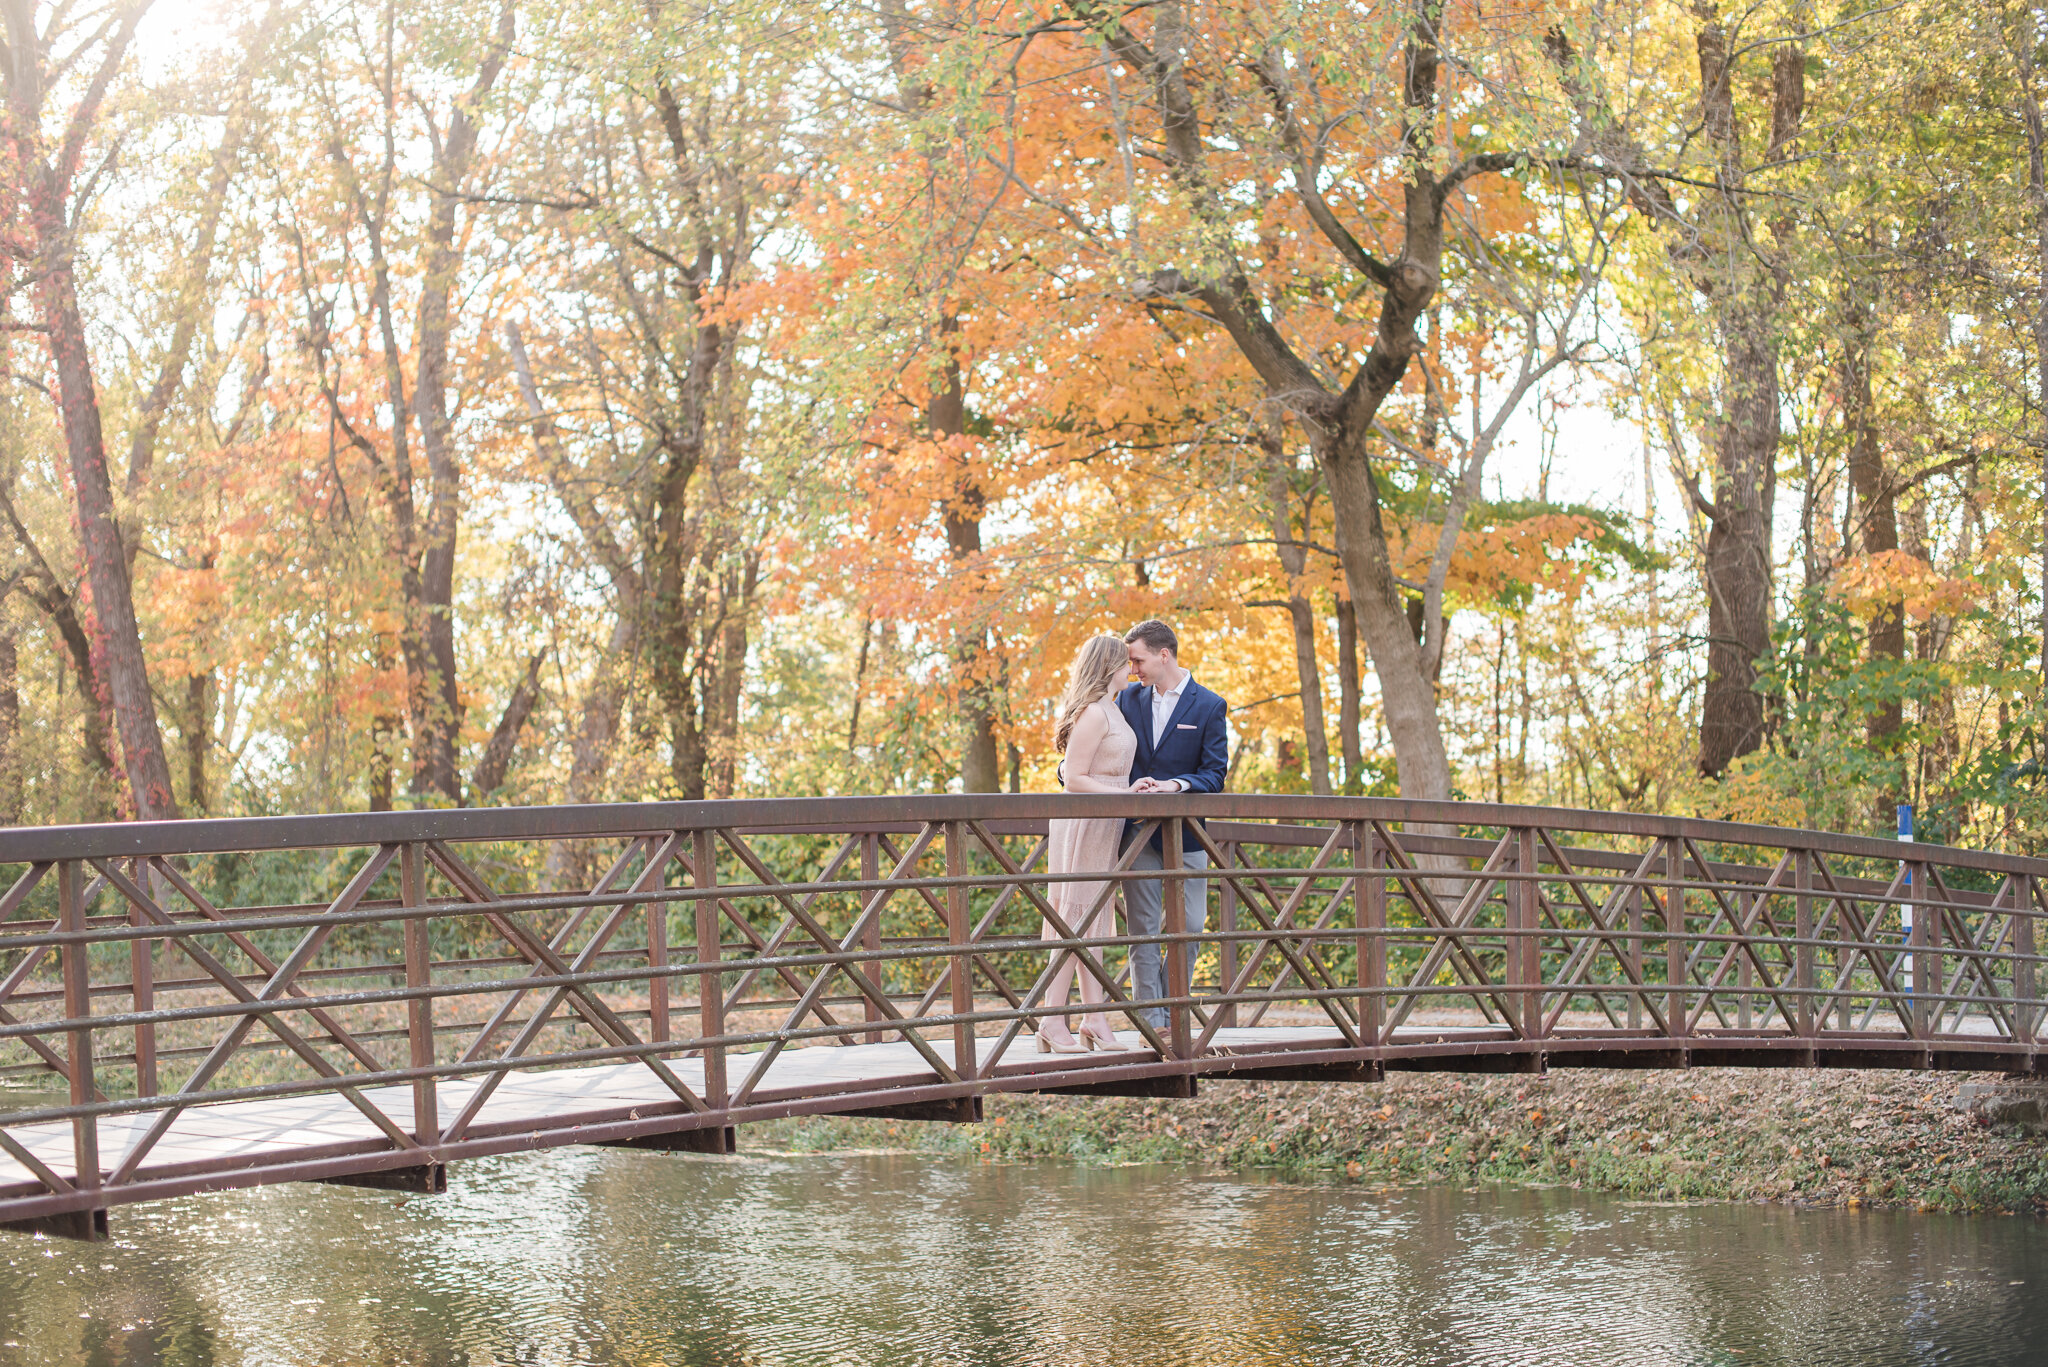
<point>229,1136</point>
<point>236,1134</point>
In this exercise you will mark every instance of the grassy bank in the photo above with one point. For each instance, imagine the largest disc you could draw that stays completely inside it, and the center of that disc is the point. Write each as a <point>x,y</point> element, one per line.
<point>1822,1138</point>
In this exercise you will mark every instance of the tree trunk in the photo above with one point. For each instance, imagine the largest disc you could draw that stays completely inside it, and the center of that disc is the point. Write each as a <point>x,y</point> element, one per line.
<point>497,757</point>
<point>1293,557</point>
<point>1314,728</point>
<point>1746,296</point>
<point>591,749</point>
<point>860,680</point>
<point>2037,198</point>
<point>1740,273</point>
<point>118,676</point>
<point>198,737</point>
<point>728,686</point>
<point>946,416</point>
<point>1941,742</point>
<point>946,419</point>
<point>1738,560</point>
<point>59,605</point>
<point>10,732</point>
<point>383,734</point>
<point>1652,604</point>
<point>392,470</point>
<point>437,719</point>
<point>383,742</point>
<point>393,473</point>
<point>1880,518</point>
<point>1407,699</point>
<point>1348,698</point>
<point>673,608</point>
<point>111,625</point>
<point>590,752</point>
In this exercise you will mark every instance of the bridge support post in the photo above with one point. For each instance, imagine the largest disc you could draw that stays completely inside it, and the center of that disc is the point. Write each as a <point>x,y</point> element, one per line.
<point>1802,953</point>
<point>142,985</point>
<point>952,1110</point>
<point>74,961</point>
<point>1932,914</point>
<point>77,967</point>
<point>710,983</point>
<point>719,1139</point>
<point>430,1179</point>
<point>1369,909</point>
<point>1636,897</point>
<point>1226,948</point>
<point>1676,1007</point>
<point>957,938</point>
<point>1179,982</point>
<point>871,935</point>
<point>419,1011</point>
<point>657,957</point>
<point>1917,938</point>
<point>1525,976</point>
<point>2026,1014</point>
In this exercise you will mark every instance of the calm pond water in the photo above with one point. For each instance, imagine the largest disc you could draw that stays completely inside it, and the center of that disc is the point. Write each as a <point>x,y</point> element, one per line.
<point>589,1256</point>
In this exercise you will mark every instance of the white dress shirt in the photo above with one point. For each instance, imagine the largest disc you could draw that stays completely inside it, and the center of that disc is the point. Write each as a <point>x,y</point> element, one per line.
<point>1163,703</point>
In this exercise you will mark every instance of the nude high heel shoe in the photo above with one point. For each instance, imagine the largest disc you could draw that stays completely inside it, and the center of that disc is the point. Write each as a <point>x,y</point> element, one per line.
<point>1104,1040</point>
<point>1069,1045</point>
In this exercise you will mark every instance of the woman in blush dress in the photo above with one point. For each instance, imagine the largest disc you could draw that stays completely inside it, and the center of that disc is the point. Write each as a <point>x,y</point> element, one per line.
<point>1099,746</point>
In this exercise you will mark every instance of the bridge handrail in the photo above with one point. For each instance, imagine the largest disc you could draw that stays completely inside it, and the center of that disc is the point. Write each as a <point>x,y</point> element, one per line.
<point>213,835</point>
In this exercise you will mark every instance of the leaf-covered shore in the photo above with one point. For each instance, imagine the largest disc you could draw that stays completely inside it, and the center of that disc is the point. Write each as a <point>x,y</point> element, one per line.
<point>1820,1138</point>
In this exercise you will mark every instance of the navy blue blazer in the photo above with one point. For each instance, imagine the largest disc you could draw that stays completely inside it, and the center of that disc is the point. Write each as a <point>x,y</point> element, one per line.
<point>1195,746</point>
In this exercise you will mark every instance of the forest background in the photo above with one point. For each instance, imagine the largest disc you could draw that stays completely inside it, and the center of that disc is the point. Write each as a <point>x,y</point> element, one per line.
<point>1632,405</point>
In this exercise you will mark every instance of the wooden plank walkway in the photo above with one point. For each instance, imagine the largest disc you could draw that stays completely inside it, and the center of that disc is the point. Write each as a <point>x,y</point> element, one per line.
<point>240,1134</point>
<point>245,1133</point>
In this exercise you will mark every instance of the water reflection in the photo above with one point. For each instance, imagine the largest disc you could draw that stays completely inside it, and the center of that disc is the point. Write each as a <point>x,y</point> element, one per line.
<point>582,1256</point>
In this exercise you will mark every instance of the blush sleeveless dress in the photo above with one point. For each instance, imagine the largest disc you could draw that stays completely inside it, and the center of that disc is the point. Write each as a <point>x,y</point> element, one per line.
<point>1090,844</point>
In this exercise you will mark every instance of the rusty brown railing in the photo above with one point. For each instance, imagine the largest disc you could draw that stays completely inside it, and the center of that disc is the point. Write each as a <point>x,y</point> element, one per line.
<point>367,998</point>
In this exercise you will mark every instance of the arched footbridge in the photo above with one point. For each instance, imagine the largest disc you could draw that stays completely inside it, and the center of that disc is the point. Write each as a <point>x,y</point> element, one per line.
<point>196,1005</point>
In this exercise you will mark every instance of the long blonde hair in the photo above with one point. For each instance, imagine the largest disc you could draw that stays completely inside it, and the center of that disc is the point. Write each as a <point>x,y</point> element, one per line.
<point>1101,664</point>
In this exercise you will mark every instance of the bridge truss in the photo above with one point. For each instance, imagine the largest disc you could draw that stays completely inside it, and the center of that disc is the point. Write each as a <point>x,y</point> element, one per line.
<point>366,998</point>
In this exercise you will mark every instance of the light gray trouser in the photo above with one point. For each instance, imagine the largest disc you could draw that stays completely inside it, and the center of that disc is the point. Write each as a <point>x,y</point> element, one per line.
<point>1144,910</point>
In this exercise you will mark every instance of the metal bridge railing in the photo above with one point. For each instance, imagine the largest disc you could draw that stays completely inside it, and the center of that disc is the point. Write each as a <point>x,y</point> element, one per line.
<point>200,999</point>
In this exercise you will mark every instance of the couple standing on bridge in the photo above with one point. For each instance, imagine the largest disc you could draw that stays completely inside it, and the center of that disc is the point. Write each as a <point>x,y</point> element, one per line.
<point>1132,721</point>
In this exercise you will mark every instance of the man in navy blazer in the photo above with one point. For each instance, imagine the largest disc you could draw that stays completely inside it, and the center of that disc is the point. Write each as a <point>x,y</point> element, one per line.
<point>1183,747</point>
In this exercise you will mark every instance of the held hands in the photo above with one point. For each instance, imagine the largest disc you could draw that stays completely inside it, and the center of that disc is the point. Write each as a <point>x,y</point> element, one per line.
<point>1153,785</point>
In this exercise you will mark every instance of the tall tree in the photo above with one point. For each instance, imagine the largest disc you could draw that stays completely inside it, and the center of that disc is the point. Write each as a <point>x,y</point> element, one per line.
<point>1731,244</point>
<point>642,406</point>
<point>1740,268</point>
<point>1300,120</point>
<point>370,176</point>
<point>46,151</point>
<point>954,207</point>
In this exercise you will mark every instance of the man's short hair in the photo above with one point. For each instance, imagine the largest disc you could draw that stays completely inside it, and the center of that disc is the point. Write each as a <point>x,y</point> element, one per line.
<point>1155,634</point>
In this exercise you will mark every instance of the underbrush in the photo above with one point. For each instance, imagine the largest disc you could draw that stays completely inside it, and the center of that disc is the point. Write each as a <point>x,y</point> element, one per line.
<point>1846,1138</point>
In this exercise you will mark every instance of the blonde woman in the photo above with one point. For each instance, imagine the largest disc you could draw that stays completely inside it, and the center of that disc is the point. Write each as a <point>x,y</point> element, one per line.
<point>1099,746</point>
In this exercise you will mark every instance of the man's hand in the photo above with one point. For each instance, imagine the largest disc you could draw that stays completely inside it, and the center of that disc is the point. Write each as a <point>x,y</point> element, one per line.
<point>1149,785</point>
